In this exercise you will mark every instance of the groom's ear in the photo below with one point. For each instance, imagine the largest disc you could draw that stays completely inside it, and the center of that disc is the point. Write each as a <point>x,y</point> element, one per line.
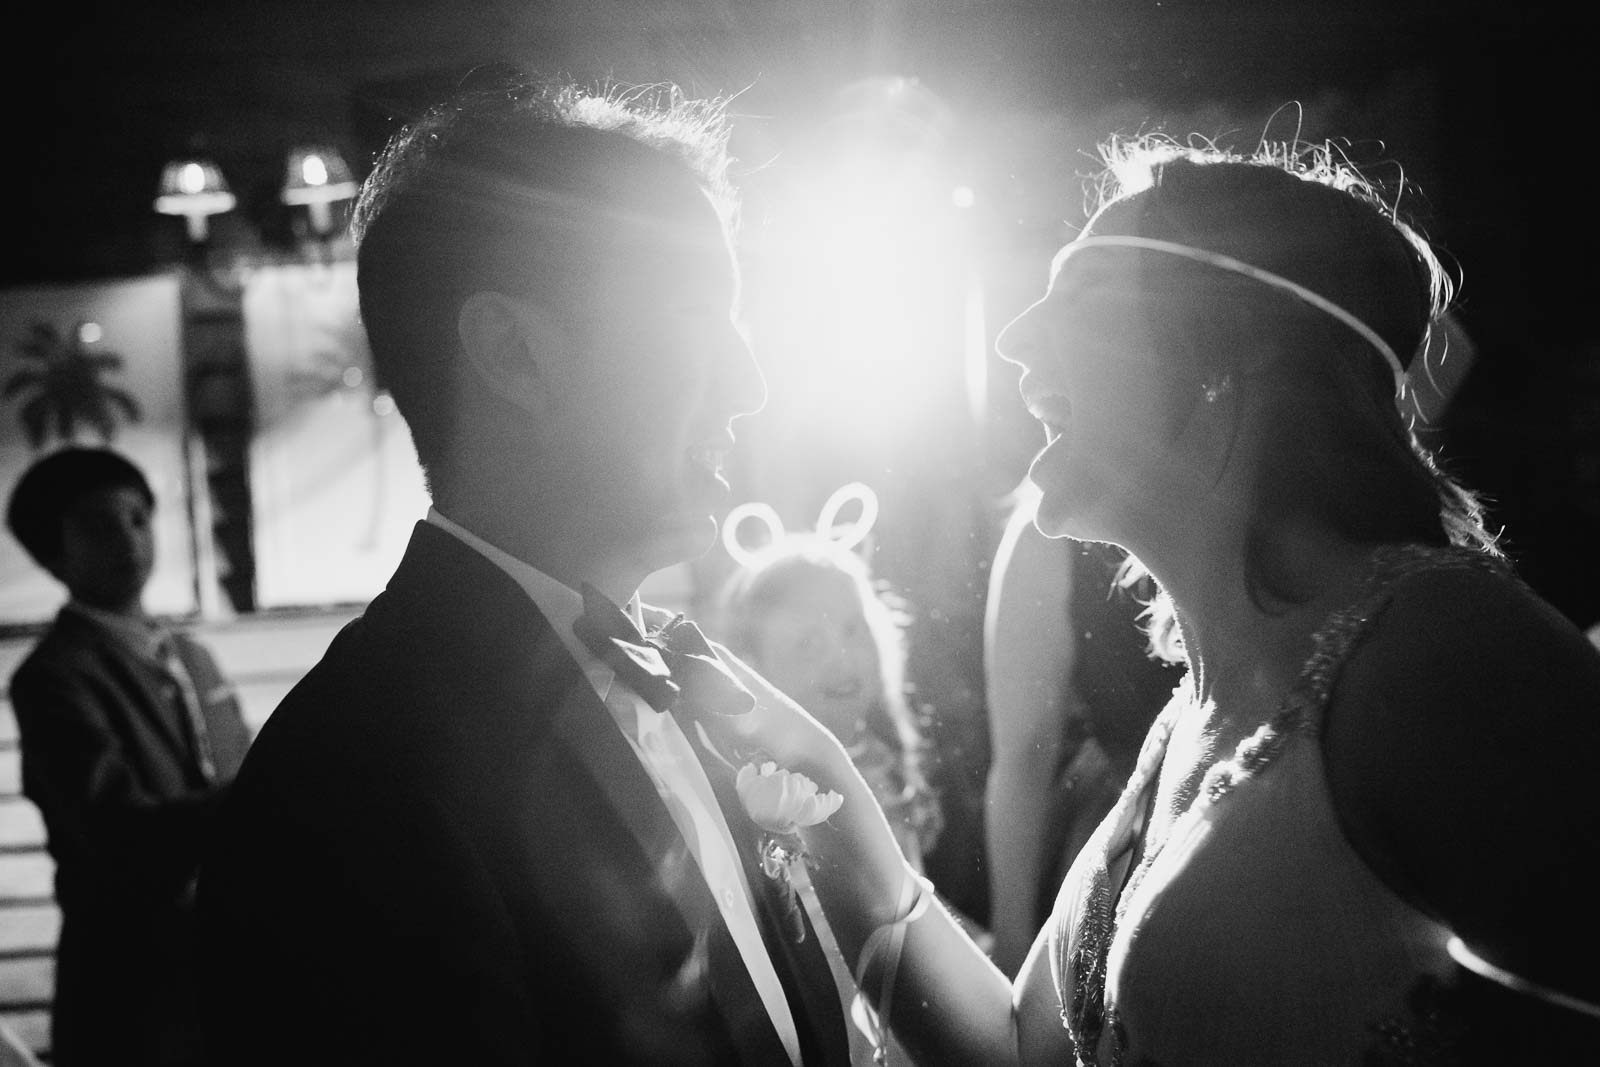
<point>511,344</point>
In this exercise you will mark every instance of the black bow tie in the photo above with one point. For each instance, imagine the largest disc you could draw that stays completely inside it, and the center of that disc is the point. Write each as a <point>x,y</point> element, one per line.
<point>673,669</point>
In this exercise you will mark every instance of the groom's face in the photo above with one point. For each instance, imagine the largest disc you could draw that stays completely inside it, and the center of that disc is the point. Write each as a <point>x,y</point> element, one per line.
<point>659,372</point>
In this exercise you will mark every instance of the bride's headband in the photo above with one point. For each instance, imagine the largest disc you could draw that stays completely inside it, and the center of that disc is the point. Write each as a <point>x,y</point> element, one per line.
<point>846,535</point>
<point>1266,277</point>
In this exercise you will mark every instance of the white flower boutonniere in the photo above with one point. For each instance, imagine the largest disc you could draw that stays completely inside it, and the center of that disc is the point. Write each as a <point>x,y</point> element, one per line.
<point>782,803</point>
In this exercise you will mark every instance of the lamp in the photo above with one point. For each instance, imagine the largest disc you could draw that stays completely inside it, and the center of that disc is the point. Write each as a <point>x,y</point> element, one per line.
<point>194,188</point>
<point>318,175</point>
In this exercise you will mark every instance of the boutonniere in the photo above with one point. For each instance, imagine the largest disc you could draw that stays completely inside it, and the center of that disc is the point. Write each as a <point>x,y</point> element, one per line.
<point>782,803</point>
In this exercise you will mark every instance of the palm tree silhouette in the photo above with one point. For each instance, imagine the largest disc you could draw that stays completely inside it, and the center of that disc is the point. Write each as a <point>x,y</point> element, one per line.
<point>65,387</point>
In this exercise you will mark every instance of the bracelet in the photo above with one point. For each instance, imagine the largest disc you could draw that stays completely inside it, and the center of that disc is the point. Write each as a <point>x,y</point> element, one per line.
<point>916,894</point>
<point>1515,982</point>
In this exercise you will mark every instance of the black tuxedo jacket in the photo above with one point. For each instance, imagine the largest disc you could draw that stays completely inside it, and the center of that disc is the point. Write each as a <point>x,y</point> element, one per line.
<point>110,759</point>
<point>442,850</point>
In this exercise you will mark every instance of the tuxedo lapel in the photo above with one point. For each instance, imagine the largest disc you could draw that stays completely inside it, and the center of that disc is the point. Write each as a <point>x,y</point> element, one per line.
<point>808,983</point>
<point>585,726</point>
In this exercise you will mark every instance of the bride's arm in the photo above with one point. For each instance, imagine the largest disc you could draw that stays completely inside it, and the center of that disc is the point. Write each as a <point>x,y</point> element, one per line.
<point>948,1003</point>
<point>1470,679</point>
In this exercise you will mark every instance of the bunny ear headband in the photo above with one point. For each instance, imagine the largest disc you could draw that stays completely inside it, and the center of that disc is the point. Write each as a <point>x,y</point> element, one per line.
<point>846,534</point>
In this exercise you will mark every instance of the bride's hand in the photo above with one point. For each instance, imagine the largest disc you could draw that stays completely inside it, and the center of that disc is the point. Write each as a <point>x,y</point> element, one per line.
<point>859,869</point>
<point>784,730</point>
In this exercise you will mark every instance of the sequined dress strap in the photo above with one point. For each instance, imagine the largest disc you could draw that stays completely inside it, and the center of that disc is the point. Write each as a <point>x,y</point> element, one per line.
<point>1082,953</point>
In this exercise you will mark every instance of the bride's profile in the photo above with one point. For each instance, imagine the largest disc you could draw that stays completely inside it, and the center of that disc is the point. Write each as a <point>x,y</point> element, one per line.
<point>1358,833</point>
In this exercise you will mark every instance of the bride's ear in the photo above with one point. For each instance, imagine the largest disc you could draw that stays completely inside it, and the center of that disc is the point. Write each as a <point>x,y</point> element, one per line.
<point>511,344</point>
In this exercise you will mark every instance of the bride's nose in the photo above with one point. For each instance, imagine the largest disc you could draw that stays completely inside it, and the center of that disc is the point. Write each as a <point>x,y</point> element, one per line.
<point>1019,342</point>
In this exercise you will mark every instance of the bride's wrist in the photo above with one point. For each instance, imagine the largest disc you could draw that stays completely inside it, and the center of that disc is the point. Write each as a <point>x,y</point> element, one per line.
<point>858,854</point>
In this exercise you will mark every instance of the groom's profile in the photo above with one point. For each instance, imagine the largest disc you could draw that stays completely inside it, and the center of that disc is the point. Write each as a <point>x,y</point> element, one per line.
<point>465,837</point>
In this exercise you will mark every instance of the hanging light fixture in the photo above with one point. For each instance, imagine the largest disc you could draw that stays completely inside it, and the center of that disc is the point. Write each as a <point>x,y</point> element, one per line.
<point>318,176</point>
<point>194,188</point>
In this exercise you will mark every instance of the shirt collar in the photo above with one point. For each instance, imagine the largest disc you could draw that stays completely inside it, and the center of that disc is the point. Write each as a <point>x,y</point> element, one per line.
<point>140,634</point>
<point>560,604</point>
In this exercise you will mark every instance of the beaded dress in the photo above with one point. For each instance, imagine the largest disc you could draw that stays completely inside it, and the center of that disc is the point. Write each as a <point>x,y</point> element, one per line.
<point>1251,932</point>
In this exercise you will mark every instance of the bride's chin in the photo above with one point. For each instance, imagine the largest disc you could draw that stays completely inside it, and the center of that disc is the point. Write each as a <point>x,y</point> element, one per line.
<point>1047,522</point>
<point>1060,517</point>
<point>1053,517</point>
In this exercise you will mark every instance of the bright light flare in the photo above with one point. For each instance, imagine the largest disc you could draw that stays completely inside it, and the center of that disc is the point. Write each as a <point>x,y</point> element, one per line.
<point>864,275</point>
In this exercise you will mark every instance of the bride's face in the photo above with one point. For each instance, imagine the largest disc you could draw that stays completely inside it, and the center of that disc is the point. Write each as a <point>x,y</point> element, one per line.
<point>1092,378</point>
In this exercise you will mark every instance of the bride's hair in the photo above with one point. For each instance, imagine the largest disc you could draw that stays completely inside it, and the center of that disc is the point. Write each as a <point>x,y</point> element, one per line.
<point>1340,451</point>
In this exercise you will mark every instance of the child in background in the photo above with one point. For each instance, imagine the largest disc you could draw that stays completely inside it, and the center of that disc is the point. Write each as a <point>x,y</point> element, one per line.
<point>130,737</point>
<point>805,613</point>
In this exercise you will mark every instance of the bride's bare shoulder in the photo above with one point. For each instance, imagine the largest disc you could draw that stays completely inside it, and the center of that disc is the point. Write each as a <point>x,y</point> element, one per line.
<point>1461,734</point>
<point>1466,621</point>
<point>1465,677</point>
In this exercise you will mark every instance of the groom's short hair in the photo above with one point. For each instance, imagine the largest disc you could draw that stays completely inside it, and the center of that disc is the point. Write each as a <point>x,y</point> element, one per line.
<point>511,185</point>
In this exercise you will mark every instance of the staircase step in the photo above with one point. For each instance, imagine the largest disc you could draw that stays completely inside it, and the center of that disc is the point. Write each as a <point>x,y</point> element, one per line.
<point>29,928</point>
<point>27,982</point>
<point>27,876</point>
<point>21,826</point>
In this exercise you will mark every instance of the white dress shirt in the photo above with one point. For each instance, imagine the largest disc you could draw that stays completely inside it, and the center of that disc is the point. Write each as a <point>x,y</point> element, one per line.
<point>668,758</point>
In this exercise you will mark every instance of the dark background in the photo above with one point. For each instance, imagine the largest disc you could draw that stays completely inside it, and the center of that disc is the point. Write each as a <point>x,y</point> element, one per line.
<point>1486,107</point>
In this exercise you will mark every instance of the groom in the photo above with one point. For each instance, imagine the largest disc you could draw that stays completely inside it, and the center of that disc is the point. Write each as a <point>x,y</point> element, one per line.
<point>465,837</point>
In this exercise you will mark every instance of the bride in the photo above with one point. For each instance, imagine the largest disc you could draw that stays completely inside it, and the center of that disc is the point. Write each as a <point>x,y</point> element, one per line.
<point>1360,832</point>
